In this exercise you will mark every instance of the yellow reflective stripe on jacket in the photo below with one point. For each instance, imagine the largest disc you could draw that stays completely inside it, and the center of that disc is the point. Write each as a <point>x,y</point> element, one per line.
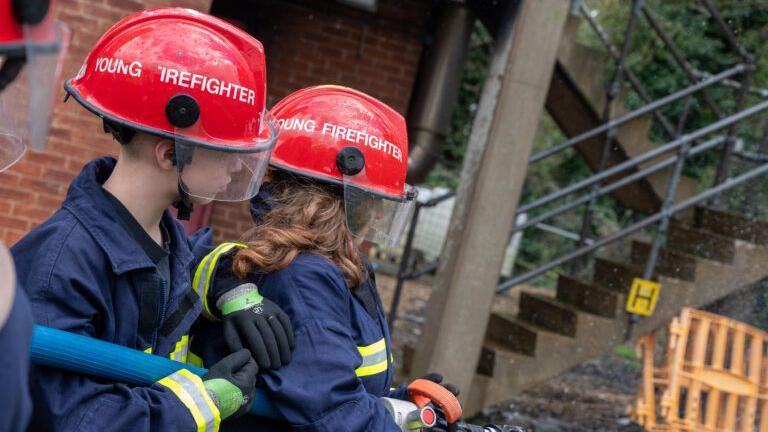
<point>201,282</point>
<point>180,350</point>
<point>189,388</point>
<point>194,359</point>
<point>374,359</point>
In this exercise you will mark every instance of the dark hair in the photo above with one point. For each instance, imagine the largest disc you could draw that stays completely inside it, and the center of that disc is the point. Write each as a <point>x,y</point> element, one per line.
<point>120,133</point>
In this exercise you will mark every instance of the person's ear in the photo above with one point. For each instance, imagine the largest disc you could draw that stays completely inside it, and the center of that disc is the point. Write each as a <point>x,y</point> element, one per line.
<point>164,154</point>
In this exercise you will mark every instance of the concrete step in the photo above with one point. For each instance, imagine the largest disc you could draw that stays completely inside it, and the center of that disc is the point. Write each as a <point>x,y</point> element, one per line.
<point>548,313</point>
<point>595,335</point>
<point>510,333</point>
<point>701,243</point>
<point>669,263</point>
<point>576,102</point>
<point>732,225</point>
<point>589,298</point>
<point>615,275</point>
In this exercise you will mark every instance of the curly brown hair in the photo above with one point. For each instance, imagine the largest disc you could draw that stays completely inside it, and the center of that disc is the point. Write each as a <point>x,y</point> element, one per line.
<point>307,216</point>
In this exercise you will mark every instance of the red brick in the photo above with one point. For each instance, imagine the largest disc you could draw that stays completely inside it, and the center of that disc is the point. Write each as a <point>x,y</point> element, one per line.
<point>14,223</point>
<point>44,186</point>
<point>33,213</point>
<point>11,237</point>
<point>46,201</point>
<point>26,168</point>
<point>13,194</point>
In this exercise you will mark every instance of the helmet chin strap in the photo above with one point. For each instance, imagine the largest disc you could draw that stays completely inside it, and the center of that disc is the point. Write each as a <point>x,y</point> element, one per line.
<point>184,205</point>
<point>182,156</point>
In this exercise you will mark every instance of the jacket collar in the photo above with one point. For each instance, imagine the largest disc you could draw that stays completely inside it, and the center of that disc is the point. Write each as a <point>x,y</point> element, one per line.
<point>86,201</point>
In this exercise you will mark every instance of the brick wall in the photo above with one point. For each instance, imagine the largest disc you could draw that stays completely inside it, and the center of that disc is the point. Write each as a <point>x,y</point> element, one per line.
<point>306,43</point>
<point>33,188</point>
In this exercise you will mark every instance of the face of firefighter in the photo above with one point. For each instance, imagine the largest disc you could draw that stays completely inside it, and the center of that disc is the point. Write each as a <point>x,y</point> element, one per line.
<point>210,174</point>
<point>364,218</point>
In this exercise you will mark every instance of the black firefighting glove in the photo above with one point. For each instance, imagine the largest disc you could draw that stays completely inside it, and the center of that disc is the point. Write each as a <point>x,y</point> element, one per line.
<point>231,383</point>
<point>254,322</point>
<point>438,379</point>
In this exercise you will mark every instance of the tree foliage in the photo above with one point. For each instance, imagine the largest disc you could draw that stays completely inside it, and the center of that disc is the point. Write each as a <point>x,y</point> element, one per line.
<point>703,45</point>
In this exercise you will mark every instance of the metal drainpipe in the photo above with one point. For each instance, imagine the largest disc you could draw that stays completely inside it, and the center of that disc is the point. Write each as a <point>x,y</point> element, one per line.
<point>437,86</point>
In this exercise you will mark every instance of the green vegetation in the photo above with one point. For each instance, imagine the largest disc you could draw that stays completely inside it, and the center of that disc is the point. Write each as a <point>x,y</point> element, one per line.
<point>702,44</point>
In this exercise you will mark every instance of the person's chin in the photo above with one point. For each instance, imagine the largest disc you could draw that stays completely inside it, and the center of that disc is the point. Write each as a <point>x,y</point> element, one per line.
<point>201,201</point>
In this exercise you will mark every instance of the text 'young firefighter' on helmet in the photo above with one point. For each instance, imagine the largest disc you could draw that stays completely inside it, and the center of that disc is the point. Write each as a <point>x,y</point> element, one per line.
<point>342,136</point>
<point>32,48</point>
<point>206,91</point>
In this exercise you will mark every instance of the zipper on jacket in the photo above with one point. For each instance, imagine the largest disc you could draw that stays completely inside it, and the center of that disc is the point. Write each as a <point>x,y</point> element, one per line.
<point>161,314</point>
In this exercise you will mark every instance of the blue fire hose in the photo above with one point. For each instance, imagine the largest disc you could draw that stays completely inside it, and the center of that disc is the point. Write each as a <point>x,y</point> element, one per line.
<point>89,356</point>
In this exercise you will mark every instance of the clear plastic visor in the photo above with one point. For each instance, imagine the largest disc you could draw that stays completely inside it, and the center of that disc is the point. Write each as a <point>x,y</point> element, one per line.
<point>225,172</point>
<point>375,218</point>
<point>26,104</point>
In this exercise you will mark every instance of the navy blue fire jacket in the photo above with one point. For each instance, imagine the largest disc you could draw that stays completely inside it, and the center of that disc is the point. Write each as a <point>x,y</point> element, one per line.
<point>84,273</point>
<point>15,336</point>
<point>342,363</point>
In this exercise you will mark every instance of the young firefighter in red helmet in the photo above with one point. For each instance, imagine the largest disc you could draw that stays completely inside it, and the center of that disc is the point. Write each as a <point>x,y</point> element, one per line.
<point>337,178</point>
<point>183,93</point>
<point>32,45</point>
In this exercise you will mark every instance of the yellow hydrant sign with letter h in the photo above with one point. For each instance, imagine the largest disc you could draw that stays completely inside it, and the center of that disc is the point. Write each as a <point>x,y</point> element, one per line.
<point>643,297</point>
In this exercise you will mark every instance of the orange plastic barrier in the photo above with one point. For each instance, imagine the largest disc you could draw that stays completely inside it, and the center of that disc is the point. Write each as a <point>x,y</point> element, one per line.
<point>713,376</point>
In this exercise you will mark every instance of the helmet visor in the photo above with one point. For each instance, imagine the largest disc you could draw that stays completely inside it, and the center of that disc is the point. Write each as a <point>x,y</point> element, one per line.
<point>26,105</point>
<point>376,218</point>
<point>230,171</point>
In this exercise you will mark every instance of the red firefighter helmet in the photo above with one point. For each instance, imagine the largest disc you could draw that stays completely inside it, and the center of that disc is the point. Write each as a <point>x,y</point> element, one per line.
<point>195,79</point>
<point>342,136</point>
<point>32,47</point>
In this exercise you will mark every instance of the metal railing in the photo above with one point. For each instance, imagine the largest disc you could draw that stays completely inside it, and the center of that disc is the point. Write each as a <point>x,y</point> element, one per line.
<point>718,136</point>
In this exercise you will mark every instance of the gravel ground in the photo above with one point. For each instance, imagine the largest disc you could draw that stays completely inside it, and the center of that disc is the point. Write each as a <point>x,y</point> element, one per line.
<point>593,396</point>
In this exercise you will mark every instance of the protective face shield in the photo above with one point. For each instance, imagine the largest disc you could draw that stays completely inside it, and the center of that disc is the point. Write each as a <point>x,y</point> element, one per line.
<point>377,218</point>
<point>31,58</point>
<point>224,173</point>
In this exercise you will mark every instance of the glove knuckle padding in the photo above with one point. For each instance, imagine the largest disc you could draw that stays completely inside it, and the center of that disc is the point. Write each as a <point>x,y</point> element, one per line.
<point>282,339</point>
<point>255,341</point>
<point>269,341</point>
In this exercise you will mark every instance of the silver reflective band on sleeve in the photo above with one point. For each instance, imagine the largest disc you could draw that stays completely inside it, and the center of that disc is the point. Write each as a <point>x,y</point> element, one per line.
<point>374,359</point>
<point>180,350</point>
<point>189,388</point>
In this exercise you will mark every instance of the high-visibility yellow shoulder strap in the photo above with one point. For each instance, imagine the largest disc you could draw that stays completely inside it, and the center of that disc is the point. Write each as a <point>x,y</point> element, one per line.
<point>205,271</point>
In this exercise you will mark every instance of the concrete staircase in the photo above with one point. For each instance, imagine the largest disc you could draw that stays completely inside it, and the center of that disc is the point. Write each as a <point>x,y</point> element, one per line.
<point>576,101</point>
<point>716,255</point>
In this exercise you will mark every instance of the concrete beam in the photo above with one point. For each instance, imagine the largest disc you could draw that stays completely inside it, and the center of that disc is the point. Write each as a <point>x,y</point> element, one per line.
<point>491,182</point>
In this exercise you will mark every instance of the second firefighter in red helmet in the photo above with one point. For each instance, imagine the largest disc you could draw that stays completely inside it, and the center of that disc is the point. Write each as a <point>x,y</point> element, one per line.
<point>345,137</point>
